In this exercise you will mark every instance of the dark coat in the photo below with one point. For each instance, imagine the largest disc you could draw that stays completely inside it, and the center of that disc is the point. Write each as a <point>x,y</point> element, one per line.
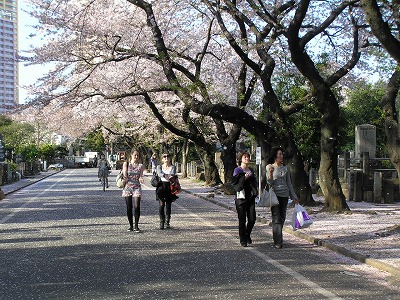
<point>250,185</point>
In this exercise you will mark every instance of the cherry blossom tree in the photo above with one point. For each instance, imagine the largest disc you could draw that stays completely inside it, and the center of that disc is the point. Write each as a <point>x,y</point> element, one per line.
<point>200,62</point>
<point>98,57</point>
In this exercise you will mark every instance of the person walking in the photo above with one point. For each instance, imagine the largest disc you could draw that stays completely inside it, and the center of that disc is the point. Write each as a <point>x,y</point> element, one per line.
<point>95,161</point>
<point>103,169</point>
<point>278,177</point>
<point>153,162</point>
<point>163,193</point>
<point>132,171</point>
<point>244,182</point>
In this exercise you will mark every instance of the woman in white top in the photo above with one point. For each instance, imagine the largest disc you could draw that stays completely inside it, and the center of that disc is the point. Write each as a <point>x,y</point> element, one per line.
<point>279,178</point>
<point>163,192</point>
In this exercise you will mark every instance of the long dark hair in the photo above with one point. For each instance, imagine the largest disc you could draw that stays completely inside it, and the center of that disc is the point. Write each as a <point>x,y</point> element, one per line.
<point>274,154</point>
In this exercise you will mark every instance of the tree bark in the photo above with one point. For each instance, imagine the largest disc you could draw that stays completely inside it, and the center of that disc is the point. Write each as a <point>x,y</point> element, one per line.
<point>185,152</point>
<point>211,172</point>
<point>392,127</point>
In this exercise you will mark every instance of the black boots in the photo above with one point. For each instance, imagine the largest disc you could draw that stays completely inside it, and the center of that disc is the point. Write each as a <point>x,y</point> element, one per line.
<point>162,222</point>
<point>168,219</point>
<point>165,223</point>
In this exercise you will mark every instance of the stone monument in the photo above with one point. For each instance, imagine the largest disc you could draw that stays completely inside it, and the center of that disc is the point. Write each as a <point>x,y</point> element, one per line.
<point>365,140</point>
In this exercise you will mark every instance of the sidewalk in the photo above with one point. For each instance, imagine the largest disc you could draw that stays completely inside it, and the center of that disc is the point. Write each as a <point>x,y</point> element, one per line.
<point>17,185</point>
<point>369,233</point>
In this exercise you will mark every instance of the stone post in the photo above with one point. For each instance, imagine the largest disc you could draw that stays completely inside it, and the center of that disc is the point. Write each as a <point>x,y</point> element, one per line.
<point>365,163</point>
<point>351,184</point>
<point>346,165</point>
<point>378,187</point>
<point>358,186</point>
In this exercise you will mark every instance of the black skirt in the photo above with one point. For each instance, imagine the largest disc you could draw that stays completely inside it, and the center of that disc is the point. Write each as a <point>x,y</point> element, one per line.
<point>163,193</point>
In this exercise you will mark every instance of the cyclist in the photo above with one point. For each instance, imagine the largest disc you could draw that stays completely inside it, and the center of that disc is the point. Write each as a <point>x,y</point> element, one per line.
<point>104,167</point>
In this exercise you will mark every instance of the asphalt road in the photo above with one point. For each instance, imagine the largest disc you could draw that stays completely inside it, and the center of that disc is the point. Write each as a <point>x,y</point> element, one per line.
<point>64,238</point>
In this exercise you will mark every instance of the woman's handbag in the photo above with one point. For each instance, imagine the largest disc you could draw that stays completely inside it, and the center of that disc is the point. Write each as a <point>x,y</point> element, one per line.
<point>300,217</point>
<point>155,180</point>
<point>119,181</point>
<point>175,185</point>
<point>268,198</point>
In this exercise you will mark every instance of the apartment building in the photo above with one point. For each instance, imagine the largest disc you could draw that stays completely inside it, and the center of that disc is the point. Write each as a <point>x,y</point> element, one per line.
<point>8,55</point>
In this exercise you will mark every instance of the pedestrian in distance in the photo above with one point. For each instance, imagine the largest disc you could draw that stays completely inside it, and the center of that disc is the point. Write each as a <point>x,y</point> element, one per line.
<point>278,177</point>
<point>103,168</point>
<point>132,171</point>
<point>95,161</point>
<point>163,193</point>
<point>154,163</point>
<point>244,182</point>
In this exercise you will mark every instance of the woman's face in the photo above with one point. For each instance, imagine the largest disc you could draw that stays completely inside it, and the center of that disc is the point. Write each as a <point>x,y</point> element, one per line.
<point>165,157</point>
<point>246,159</point>
<point>279,156</point>
<point>135,156</point>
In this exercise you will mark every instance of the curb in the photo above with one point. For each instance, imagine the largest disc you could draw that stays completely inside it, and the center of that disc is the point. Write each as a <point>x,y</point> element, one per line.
<point>319,242</point>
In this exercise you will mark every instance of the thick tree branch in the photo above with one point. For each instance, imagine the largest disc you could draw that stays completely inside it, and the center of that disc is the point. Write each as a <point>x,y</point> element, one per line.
<point>381,29</point>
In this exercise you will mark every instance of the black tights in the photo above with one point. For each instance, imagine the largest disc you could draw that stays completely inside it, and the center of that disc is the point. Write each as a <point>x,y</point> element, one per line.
<point>133,209</point>
<point>165,206</point>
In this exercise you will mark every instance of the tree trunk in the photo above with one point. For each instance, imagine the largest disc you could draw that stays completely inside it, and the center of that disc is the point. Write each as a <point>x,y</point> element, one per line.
<point>392,129</point>
<point>210,169</point>
<point>185,152</point>
<point>228,157</point>
<point>328,168</point>
<point>300,180</point>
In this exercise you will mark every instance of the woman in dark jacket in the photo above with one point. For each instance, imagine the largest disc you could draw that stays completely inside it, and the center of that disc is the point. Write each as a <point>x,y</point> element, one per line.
<point>163,193</point>
<point>245,184</point>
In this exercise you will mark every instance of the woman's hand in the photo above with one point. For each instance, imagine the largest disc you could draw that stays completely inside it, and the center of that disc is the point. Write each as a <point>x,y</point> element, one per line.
<point>271,171</point>
<point>296,201</point>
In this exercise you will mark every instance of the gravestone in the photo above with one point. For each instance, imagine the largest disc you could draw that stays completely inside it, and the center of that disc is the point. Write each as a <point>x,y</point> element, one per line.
<point>312,178</point>
<point>365,140</point>
<point>378,187</point>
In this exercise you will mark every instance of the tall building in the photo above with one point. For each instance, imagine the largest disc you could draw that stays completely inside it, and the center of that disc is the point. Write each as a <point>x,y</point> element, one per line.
<point>8,55</point>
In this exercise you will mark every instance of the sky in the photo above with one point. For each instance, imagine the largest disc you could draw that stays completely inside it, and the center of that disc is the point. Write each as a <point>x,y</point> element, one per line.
<point>27,74</point>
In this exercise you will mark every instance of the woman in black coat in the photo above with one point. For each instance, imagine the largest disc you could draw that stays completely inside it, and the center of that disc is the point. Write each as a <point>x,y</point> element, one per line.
<point>163,193</point>
<point>244,182</point>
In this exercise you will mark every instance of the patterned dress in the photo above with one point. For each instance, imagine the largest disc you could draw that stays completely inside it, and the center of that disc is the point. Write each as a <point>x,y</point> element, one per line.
<point>133,187</point>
